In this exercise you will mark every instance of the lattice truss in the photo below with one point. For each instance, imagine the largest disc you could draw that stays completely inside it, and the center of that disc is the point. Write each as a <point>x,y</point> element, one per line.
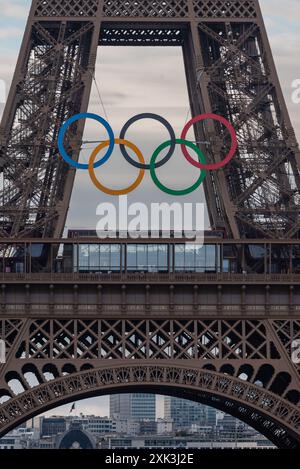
<point>66,7</point>
<point>263,180</point>
<point>225,8</point>
<point>140,339</point>
<point>231,347</point>
<point>242,361</point>
<point>34,176</point>
<point>288,333</point>
<point>141,35</point>
<point>9,332</point>
<point>148,8</point>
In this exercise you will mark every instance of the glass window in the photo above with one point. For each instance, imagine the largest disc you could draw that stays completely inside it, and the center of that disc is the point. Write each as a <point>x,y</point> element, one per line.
<point>147,257</point>
<point>163,257</point>
<point>105,257</point>
<point>35,250</point>
<point>131,257</point>
<point>210,258</point>
<point>115,257</point>
<point>142,257</point>
<point>200,258</point>
<point>179,257</point>
<point>193,258</point>
<point>189,258</point>
<point>83,257</point>
<point>152,257</point>
<point>75,257</point>
<point>94,256</point>
<point>296,259</point>
<point>280,259</point>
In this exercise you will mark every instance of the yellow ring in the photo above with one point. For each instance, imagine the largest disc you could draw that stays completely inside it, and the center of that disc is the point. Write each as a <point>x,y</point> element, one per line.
<point>100,186</point>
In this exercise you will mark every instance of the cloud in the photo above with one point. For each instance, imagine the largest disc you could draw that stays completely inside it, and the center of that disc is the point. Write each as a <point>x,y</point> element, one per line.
<point>14,9</point>
<point>10,32</point>
<point>274,9</point>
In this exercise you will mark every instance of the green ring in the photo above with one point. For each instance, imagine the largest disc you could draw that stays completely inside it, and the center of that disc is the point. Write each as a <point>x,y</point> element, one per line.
<point>165,189</point>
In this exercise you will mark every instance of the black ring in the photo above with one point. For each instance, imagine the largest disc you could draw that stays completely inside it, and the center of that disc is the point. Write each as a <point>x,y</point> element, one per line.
<point>162,121</point>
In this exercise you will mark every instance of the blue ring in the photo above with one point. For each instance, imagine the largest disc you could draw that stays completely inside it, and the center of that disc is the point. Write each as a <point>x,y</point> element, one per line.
<point>62,133</point>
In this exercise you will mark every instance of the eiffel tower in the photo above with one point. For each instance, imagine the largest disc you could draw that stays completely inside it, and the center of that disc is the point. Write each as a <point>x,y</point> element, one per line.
<point>223,336</point>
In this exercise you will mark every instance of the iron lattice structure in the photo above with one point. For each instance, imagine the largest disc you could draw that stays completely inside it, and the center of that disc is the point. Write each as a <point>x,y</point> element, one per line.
<point>229,69</point>
<point>67,337</point>
<point>238,366</point>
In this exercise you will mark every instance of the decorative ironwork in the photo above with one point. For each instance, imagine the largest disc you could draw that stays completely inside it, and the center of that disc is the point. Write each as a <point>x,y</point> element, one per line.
<point>51,89</point>
<point>113,35</point>
<point>228,351</point>
<point>225,9</point>
<point>66,8</point>
<point>230,71</point>
<point>251,403</point>
<point>147,339</point>
<point>146,9</point>
<point>288,331</point>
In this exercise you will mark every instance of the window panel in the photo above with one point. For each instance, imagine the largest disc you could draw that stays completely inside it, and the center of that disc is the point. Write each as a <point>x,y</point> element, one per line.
<point>142,260</point>
<point>210,258</point>
<point>105,257</point>
<point>115,256</point>
<point>163,257</point>
<point>179,257</point>
<point>83,257</point>
<point>131,256</point>
<point>94,259</point>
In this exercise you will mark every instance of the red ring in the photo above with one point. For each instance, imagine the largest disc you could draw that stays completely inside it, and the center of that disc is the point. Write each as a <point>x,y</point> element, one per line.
<point>232,150</point>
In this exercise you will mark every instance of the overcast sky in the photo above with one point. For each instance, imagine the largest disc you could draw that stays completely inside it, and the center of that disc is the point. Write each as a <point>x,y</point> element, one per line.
<point>134,80</point>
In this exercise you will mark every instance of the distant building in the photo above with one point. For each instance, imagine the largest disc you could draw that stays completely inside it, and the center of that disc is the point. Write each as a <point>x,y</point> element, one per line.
<point>50,426</point>
<point>127,426</point>
<point>76,438</point>
<point>164,426</point>
<point>229,424</point>
<point>133,406</point>
<point>211,416</point>
<point>148,427</point>
<point>182,442</point>
<point>96,425</point>
<point>45,443</point>
<point>184,413</point>
<point>20,438</point>
<point>10,441</point>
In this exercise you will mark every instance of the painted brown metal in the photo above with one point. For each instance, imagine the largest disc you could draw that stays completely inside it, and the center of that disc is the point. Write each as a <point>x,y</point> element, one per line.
<point>227,343</point>
<point>229,69</point>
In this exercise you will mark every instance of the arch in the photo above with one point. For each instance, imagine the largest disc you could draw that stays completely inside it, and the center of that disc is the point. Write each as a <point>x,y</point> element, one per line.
<point>245,372</point>
<point>76,435</point>
<point>227,369</point>
<point>264,375</point>
<point>280,383</point>
<point>50,371</point>
<point>15,382</point>
<point>271,415</point>
<point>293,396</point>
<point>68,369</point>
<point>32,374</point>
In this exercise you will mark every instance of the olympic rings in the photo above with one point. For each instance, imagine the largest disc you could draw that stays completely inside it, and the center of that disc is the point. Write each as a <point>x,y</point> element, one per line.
<point>112,191</point>
<point>232,151</point>
<point>162,121</point>
<point>182,192</point>
<point>71,121</point>
<point>141,165</point>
